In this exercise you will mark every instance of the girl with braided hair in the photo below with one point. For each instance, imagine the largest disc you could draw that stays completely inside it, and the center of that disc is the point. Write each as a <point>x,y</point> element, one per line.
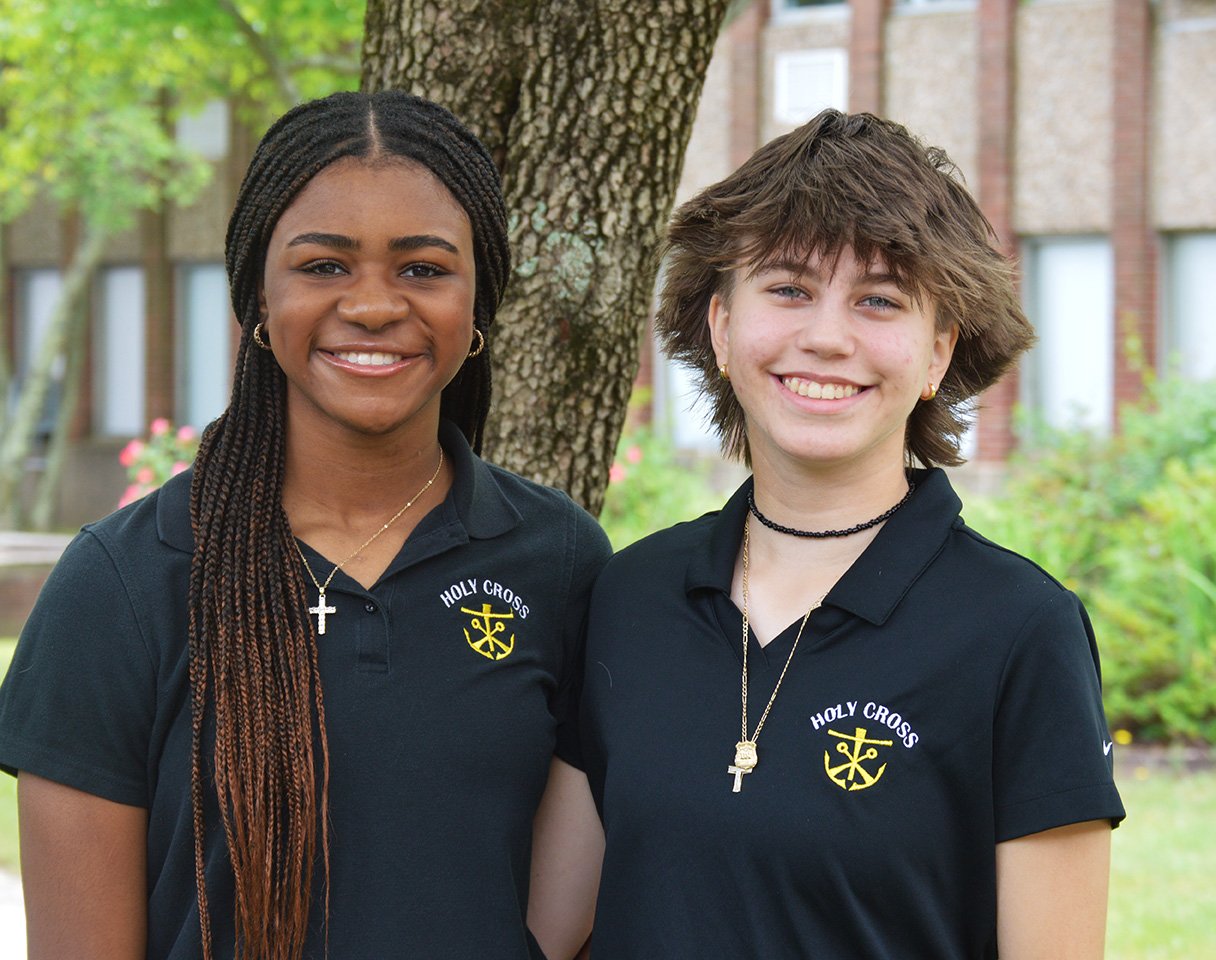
<point>316,695</point>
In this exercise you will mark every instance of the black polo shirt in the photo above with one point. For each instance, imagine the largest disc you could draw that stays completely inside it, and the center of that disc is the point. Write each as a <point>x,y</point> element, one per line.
<point>944,698</point>
<point>441,723</point>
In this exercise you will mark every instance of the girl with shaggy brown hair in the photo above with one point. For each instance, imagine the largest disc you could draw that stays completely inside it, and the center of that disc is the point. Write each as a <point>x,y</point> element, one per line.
<point>831,720</point>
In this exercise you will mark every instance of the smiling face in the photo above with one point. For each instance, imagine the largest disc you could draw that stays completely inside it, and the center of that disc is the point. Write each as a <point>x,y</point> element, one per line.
<point>367,298</point>
<point>827,359</point>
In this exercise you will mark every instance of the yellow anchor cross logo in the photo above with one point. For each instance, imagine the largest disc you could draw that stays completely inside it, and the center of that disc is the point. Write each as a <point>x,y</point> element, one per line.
<point>489,625</point>
<point>845,775</point>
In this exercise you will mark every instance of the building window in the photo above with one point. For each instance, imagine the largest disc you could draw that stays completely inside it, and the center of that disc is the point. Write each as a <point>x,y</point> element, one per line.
<point>36,294</point>
<point>808,81</point>
<point>1069,288</point>
<point>952,4</point>
<point>204,343</point>
<point>119,354</point>
<point>785,8</point>
<point>680,411</point>
<point>205,131</point>
<point>1189,317</point>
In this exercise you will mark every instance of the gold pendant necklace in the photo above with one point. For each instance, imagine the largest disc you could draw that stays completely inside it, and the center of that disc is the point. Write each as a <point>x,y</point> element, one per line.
<point>746,757</point>
<point>321,610</point>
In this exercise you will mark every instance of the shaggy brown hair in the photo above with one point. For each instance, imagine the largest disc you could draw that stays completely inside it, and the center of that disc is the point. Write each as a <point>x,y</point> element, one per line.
<point>865,183</point>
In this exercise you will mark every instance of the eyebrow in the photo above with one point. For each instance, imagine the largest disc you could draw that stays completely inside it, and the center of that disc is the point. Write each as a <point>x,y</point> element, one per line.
<point>799,269</point>
<point>795,267</point>
<point>339,241</point>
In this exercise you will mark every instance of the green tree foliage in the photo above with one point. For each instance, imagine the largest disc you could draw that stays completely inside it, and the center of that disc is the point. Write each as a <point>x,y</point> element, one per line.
<point>89,90</point>
<point>1129,523</point>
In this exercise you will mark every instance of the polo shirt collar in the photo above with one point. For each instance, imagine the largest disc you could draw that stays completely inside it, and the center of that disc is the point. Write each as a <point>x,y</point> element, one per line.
<point>479,503</point>
<point>873,586</point>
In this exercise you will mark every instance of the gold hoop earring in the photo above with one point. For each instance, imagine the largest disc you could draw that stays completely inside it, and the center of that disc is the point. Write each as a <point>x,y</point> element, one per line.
<point>481,345</point>
<point>932,391</point>
<point>257,337</point>
<point>723,372</point>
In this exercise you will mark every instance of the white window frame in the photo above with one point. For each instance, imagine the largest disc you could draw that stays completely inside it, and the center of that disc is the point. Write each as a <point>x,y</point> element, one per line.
<point>1188,314</point>
<point>833,60</point>
<point>1097,417</point>
<point>187,402</point>
<point>120,352</point>
<point>206,130</point>
<point>784,11</point>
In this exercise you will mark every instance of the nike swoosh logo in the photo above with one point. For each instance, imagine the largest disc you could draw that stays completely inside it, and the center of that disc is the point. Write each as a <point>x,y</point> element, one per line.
<point>1107,745</point>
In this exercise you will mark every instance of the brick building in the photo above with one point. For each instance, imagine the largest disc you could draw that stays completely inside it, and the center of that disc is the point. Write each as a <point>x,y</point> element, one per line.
<point>1085,127</point>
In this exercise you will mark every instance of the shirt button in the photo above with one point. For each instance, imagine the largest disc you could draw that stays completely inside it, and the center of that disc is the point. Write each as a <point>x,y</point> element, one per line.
<point>369,607</point>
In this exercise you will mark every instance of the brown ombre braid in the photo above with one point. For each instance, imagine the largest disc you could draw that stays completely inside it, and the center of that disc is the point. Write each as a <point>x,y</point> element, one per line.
<point>252,650</point>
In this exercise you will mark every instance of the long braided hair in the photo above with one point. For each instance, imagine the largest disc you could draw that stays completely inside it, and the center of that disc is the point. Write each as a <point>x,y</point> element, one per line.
<point>252,650</point>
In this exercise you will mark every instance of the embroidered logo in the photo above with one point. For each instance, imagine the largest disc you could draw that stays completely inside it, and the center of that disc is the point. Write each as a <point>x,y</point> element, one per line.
<point>487,626</point>
<point>852,774</point>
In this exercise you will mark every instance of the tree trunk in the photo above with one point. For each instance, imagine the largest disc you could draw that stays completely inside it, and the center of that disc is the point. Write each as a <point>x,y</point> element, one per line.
<point>76,348</point>
<point>587,108</point>
<point>19,431</point>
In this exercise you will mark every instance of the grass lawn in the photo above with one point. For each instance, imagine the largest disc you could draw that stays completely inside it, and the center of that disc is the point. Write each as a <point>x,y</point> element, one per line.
<point>8,789</point>
<point>1162,899</point>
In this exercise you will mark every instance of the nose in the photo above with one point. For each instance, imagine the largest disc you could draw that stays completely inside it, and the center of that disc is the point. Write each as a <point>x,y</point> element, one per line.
<point>826,328</point>
<point>372,305</point>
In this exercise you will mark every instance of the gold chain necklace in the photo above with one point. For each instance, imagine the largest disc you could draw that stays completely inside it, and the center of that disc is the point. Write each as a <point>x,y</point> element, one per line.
<point>321,610</point>
<point>746,757</point>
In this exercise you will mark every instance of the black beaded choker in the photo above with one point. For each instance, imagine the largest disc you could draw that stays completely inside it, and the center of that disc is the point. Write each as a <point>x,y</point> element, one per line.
<point>823,534</point>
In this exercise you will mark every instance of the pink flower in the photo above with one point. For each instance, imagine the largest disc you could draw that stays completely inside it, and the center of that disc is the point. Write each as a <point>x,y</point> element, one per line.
<point>634,454</point>
<point>131,494</point>
<point>179,467</point>
<point>159,427</point>
<point>145,476</point>
<point>130,453</point>
<point>617,473</point>
<point>186,434</point>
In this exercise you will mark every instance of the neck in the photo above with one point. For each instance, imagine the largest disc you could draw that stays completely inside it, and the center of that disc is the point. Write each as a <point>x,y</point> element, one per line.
<point>335,479</point>
<point>810,498</point>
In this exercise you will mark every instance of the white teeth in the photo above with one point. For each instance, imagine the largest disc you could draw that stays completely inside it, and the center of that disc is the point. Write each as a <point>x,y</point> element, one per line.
<point>370,359</point>
<point>819,391</point>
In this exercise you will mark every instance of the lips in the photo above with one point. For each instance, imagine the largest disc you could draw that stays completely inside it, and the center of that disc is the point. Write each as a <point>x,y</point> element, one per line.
<point>818,390</point>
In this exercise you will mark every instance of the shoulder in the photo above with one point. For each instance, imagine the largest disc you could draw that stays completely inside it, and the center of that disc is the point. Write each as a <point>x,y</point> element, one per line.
<point>978,557</point>
<point>662,554</point>
<point>549,512</point>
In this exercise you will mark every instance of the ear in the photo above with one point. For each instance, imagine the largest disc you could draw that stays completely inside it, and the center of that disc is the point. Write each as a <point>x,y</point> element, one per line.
<point>262,312</point>
<point>943,351</point>
<point>718,319</point>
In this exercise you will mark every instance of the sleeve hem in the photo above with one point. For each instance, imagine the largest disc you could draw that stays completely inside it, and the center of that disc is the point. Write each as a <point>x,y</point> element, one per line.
<point>1097,802</point>
<point>16,756</point>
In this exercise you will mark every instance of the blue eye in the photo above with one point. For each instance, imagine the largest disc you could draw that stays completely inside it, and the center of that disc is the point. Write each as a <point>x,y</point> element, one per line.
<point>881,303</point>
<point>787,291</point>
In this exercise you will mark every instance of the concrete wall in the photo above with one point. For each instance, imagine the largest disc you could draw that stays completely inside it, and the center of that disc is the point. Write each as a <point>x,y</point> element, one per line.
<point>1184,132</point>
<point>1062,169</point>
<point>930,80</point>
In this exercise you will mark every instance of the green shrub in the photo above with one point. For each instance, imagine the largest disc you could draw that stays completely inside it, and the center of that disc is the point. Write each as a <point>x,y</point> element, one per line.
<point>1129,523</point>
<point>651,486</point>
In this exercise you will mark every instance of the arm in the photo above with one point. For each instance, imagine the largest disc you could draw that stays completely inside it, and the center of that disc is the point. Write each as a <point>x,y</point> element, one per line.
<point>567,848</point>
<point>1051,893</point>
<point>83,869</point>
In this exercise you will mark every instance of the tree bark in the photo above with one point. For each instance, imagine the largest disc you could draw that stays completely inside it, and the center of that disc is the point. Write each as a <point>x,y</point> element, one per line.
<point>75,348</point>
<point>587,108</point>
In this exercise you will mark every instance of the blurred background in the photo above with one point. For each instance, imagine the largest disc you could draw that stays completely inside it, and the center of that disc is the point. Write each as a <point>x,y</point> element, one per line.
<point>1085,128</point>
